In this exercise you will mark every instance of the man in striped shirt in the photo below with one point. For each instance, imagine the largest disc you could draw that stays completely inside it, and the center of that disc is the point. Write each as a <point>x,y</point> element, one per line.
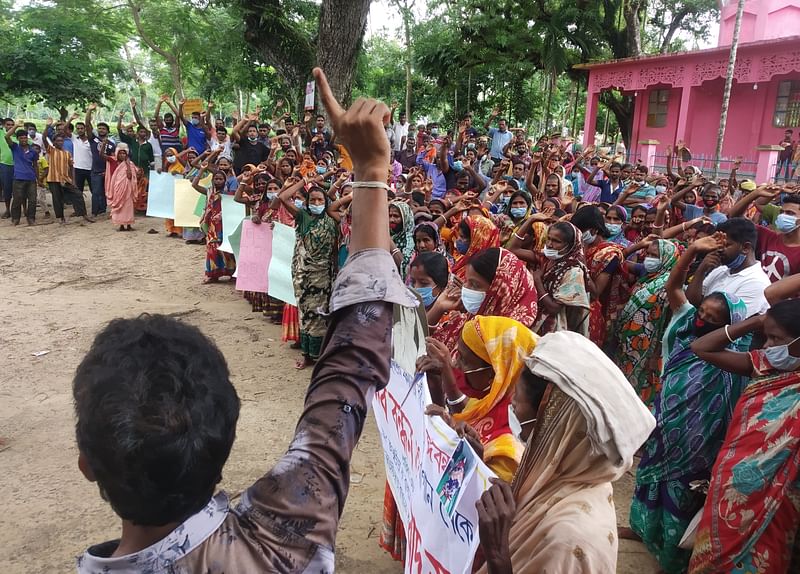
<point>60,178</point>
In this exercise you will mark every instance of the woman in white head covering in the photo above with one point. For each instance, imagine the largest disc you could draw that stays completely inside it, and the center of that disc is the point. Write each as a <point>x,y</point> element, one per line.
<point>121,187</point>
<point>582,423</point>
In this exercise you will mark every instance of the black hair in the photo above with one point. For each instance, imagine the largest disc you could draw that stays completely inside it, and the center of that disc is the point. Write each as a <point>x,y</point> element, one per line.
<point>80,124</point>
<point>711,186</point>
<point>707,228</point>
<point>418,197</point>
<point>740,230</point>
<point>614,164</point>
<point>20,133</point>
<point>501,120</point>
<point>627,166</point>
<point>4,120</point>
<point>523,194</point>
<point>427,229</point>
<point>439,201</point>
<point>588,218</point>
<point>638,208</point>
<point>720,298</point>
<point>156,417</point>
<point>267,126</point>
<point>435,265</point>
<point>318,116</point>
<point>103,124</point>
<point>485,263</point>
<point>642,168</point>
<point>787,315</point>
<point>465,230</point>
<point>26,125</point>
<point>792,198</point>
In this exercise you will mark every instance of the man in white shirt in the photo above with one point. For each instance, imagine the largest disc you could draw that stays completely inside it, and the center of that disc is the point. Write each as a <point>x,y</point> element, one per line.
<point>82,157</point>
<point>400,128</point>
<point>733,269</point>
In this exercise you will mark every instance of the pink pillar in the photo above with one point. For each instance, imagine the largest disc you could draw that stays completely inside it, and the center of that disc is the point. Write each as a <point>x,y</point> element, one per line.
<point>647,152</point>
<point>767,160</point>
<point>635,153</point>
<point>592,101</point>
<point>683,116</point>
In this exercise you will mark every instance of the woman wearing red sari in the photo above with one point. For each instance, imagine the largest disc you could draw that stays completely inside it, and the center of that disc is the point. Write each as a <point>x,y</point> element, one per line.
<point>473,234</point>
<point>751,516</point>
<point>218,263</point>
<point>604,260</point>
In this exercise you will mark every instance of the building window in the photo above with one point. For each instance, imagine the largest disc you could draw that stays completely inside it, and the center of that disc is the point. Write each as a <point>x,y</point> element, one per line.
<point>657,107</point>
<point>787,106</point>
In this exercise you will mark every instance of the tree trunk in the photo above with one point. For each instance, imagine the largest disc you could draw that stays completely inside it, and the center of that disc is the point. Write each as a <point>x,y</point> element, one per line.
<point>341,30</point>
<point>171,58</point>
<point>633,35</point>
<point>726,95</point>
<point>137,79</point>
<point>549,102</point>
<point>622,108</point>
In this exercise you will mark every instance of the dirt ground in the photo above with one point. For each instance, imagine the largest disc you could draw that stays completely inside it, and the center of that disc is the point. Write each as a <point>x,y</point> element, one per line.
<point>61,285</point>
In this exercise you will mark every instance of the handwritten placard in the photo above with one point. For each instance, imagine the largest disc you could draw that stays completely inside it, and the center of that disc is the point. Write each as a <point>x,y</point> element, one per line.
<point>253,259</point>
<point>232,215</point>
<point>417,451</point>
<point>281,286</point>
<point>310,89</point>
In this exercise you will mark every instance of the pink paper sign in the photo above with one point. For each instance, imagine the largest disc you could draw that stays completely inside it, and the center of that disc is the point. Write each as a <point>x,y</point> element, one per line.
<point>255,253</point>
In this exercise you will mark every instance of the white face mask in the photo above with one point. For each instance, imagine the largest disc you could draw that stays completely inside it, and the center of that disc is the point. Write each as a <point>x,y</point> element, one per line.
<point>652,264</point>
<point>779,357</point>
<point>472,299</point>
<point>551,253</point>
<point>588,237</point>
<point>172,159</point>
<point>514,423</point>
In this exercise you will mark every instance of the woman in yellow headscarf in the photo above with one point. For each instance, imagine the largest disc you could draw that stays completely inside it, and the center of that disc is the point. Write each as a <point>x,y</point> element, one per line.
<point>173,164</point>
<point>491,356</point>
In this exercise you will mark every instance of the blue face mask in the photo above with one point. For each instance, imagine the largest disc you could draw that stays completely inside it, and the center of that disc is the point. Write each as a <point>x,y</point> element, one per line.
<point>322,169</point>
<point>614,228</point>
<point>195,121</point>
<point>786,223</point>
<point>462,246</point>
<point>737,262</point>
<point>427,295</point>
<point>316,209</point>
<point>780,358</point>
<point>517,212</point>
<point>505,199</point>
<point>299,203</point>
<point>458,165</point>
<point>472,299</point>
<point>652,264</point>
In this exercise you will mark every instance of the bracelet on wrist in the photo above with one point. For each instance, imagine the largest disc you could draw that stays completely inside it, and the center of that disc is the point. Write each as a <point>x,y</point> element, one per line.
<point>732,340</point>
<point>518,236</point>
<point>458,401</point>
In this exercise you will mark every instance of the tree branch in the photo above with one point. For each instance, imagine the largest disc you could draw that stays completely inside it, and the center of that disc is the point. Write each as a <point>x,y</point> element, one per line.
<point>145,38</point>
<point>677,20</point>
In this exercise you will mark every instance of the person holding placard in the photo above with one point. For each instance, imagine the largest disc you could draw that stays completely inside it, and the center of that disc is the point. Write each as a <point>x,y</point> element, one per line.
<point>218,263</point>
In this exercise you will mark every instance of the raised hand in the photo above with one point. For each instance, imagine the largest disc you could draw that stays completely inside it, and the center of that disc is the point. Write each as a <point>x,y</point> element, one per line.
<point>711,243</point>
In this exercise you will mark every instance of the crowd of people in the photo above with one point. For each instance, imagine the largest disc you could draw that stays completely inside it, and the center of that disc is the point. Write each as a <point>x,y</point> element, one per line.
<point>581,311</point>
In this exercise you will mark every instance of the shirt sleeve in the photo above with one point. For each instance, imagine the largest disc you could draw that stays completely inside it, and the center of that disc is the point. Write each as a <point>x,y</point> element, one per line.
<point>303,495</point>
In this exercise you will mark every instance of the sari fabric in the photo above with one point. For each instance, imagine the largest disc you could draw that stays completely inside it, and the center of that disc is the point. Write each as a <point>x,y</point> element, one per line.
<point>504,344</point>
<point>483,235</point>
<point>565,281</point>
<point>404,237</point>
<point>121,191</point>
<point>692,413</point>
<point>752,513</point>
<point>175,169</point>
<point>588,426</point>
<point>641,326</point>
<point>314,269</point>
<point>218,263</point>
<point>512,294</point>
<point>604,309</point>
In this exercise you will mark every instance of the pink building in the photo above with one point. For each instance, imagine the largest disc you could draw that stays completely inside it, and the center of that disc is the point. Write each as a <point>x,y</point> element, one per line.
<point>678,96</point>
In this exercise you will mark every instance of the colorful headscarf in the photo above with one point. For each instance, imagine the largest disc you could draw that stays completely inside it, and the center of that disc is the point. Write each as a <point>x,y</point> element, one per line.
<point>483,234</point>
<point>504,344</point>
<point>404,238</point>
<point>177,167</point>
<point>511,294</point>
<point>555,270</point>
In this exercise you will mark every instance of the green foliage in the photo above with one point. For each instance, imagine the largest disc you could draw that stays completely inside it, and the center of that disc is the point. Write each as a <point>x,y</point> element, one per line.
<point>60,53</point>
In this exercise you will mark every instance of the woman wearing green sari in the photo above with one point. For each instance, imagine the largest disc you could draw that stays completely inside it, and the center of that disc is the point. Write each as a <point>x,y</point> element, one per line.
<point>313,265</point>
<point>692,414</point>
<point>643,320</point>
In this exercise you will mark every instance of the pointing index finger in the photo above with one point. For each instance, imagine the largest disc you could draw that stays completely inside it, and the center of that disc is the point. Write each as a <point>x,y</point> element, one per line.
<point>335,111</point>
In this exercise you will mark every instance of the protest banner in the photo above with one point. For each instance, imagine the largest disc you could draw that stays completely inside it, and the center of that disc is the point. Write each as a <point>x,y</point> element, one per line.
<point>200,208</point>
<point>281,286</point>
<point>192,105</point>
<point>253,259</point>
<point>185,201</point>
<point>235,239</point>
<point>161,195</point>
<point>417,451</point>
<point>232,215</point>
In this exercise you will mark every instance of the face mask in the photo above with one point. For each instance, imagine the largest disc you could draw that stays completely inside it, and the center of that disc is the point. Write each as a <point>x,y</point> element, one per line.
<point>172,159</point>
<point>434,132</point>
<point>299,203</point>
<point>514,423</point>
<point>588,237</point>
<point>427,295</point>
<point>195,121</point>
<point>316,209</point>
<point>321,170</point>
<point>252,139</point>
<point>505,199</point>
<point>458,165</point>
<point>652,264</point>
<point>271,195</point>
<point>614,228</point>
<point>701,327</point>
<point>780,358</point>
<point>786,223</point>
<point>661,189</point>
<point>551,253</point>
<point>470,146</point>
<point>472,299</point>
<point>737,262</point>
<point>517,212</point>
<point>462,246</point>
